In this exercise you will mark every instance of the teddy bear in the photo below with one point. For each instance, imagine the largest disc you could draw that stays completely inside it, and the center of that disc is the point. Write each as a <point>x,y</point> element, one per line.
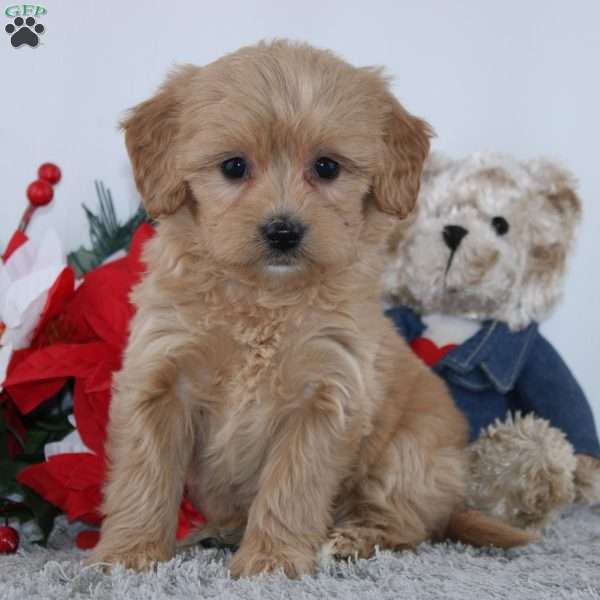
<point>469,277</point>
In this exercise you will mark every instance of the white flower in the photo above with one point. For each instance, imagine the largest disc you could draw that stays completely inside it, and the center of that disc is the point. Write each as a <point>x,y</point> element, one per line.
<point>25,279</point>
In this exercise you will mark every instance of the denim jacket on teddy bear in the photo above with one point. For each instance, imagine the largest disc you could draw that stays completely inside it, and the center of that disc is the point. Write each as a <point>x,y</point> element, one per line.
<point>498,370</point>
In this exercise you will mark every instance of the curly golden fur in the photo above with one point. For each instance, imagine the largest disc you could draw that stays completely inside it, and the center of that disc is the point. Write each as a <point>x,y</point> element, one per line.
<point>276,393</point>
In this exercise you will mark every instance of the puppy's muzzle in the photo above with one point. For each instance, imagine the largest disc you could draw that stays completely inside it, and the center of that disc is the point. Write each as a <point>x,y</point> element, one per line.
<point>283,234</point>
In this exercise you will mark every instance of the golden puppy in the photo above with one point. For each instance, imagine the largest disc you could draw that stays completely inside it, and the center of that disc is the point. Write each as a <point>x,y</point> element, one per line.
<point>261,374</point>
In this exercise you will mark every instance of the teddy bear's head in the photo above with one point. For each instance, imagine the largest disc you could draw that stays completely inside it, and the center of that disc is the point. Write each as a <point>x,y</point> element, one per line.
<point>489,239</point>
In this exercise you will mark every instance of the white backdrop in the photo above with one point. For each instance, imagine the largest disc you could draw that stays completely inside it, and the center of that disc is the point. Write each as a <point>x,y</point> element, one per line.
<point>519,77</point>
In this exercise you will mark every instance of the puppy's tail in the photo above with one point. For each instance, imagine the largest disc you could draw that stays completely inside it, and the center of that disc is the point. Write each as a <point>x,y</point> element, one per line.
<point>478,529</point>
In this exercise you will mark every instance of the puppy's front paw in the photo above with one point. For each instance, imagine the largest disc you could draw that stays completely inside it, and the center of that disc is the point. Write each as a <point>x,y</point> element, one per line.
<point>252,559</point>
<point>348,543</point>
<point>139,558</point>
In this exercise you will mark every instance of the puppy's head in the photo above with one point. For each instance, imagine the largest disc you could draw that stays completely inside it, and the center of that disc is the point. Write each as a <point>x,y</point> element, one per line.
<point>276,154</point>
<point>490,239</point>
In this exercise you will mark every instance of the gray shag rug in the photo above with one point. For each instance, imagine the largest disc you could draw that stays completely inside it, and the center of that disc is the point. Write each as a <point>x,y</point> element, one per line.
<point>564,565</point>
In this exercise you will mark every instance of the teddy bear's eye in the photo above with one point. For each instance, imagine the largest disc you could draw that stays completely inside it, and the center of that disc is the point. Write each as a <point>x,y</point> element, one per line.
<point>500,224</point>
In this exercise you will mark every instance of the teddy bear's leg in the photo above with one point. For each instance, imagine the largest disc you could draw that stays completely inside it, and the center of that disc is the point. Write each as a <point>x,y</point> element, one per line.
<point>522,471</point>
<point>587,479</point>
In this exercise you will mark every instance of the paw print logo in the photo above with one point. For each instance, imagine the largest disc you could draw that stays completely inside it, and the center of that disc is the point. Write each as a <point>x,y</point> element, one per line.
<point>24,32</point>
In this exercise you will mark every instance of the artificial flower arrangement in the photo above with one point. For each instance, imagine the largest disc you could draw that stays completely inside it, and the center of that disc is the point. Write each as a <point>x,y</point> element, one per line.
<point>63,326</point>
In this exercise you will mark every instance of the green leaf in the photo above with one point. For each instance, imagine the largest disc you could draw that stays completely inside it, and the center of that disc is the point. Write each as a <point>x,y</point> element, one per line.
<point>31,505</point>
<point>82,261</point>
<point>106,233</point>
<point>31,459</point>
<point>10,487</point>
<point>58,425</point>
<point>9,469</point>
<point>3,441</point>
<point>35,442</point>
<point>23,514</point>
<point>43,512</point>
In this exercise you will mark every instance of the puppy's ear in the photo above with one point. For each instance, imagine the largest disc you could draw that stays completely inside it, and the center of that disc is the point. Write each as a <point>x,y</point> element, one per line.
<point>406,146</point>
<point>151,133</point>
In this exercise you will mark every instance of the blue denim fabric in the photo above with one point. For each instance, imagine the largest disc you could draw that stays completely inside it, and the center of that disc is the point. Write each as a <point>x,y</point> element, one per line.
<point>498,370</point>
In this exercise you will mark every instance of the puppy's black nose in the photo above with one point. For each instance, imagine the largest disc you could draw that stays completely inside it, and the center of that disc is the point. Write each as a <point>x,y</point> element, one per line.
<point>453,235</point>
<point>283,234</point>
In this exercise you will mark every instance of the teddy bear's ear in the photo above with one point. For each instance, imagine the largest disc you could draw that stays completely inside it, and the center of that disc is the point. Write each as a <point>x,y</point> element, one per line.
<point>552,231</point>
<point>558,186</point>
<point>406,145</point>
<point>151,130</point>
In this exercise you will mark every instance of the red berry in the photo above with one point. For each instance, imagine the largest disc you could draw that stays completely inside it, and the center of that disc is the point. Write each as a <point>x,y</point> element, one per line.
<point>49,172</point>
<point>9,540</point>
<point>39,192</point>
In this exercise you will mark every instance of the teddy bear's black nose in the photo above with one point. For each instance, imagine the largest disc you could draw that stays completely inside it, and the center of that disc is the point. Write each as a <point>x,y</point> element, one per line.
<point>453,235</point>
<point>283,234</point>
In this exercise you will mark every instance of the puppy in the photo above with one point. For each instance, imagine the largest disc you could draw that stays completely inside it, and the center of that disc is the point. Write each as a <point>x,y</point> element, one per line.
<point>261,374</point>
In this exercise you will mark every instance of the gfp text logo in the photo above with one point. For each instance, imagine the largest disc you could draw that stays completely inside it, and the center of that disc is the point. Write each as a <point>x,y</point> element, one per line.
<point>24,29</point>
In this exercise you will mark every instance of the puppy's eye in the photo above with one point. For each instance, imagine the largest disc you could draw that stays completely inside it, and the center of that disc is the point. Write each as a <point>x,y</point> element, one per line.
<point>500,224</point>
<point>234,168</point>
<point>327,168</point>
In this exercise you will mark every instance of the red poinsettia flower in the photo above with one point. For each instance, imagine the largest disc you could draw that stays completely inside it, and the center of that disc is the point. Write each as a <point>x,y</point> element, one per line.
<point>93,328</point>
<point>70,481</point>
<point>17,434</point>
<point>35,284</point>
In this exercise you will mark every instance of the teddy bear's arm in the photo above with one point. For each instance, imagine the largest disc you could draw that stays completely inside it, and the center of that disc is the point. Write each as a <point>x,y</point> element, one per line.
<point>407,322</point>
<point>547,388</point>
